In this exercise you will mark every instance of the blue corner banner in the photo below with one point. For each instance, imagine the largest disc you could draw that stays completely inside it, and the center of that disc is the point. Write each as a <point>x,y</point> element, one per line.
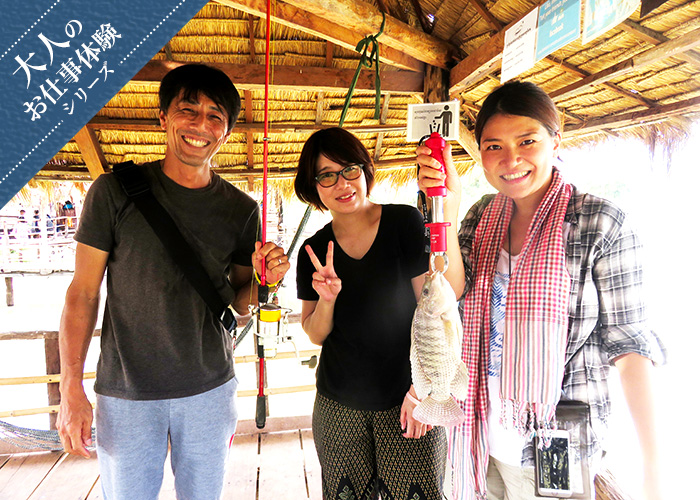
<point>61,61</point>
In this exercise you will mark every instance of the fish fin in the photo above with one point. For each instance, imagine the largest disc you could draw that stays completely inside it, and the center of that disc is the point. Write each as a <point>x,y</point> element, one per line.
<point>420,382</point>
<point>432,412</point>
<point>458,388</point>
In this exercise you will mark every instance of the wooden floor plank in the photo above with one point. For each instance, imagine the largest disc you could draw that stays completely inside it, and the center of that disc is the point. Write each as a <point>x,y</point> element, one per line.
<point>278,472</point>
<point>281,466</point>
<point>72,479</point>
<point>21,474</point>
<point>313,468</point>
<point>96,493</point>
<point>241,479</point>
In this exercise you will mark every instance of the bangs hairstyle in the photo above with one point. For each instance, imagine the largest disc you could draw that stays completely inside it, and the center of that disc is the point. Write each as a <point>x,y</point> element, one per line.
<point>337,145</point>
<point>193,79</point>
<point>519,99</point>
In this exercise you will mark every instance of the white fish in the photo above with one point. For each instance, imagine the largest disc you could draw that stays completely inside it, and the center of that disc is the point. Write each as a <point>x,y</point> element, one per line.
<point>436,344</point>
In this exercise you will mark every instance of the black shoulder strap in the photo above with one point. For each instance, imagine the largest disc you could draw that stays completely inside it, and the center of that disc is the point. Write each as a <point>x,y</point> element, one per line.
<point>137,188</point>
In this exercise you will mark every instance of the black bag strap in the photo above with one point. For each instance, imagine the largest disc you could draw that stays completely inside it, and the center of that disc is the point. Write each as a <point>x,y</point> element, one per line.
<point>138,189</point>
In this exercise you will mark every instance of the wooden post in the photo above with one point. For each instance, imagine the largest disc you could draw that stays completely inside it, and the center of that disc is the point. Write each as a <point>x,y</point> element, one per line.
<point>9,292</point>
<point>436,85</point>
<point>53,365</point>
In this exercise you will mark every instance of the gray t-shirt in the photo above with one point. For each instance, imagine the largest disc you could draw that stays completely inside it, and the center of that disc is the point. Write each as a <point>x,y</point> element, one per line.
<point>159,339</point>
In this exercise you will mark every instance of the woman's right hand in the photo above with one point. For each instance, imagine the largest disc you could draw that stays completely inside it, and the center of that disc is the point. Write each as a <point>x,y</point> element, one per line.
<point>324,281</point>
<point>429,175</point>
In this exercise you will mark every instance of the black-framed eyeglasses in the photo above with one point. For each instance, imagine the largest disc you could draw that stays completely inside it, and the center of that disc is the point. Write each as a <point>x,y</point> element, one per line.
<point>328,179</point>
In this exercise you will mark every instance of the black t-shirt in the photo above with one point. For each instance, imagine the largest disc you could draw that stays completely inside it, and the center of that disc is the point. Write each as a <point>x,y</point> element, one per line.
<point>159,338</point>
<point>365,359</point>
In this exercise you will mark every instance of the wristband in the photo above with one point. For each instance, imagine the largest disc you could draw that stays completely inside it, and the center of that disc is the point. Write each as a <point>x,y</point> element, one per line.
<point>257,278</point>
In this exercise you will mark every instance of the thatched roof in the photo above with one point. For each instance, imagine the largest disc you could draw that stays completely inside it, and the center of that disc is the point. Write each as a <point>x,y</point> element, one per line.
<point>640,78</point>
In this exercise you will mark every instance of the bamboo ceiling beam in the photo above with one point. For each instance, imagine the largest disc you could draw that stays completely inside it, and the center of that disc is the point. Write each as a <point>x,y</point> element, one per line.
<point>148,125</point>
<point>634,117</point>
<point>243,172</point>
<point>570,68</point>
<point>655,38</point>
<point>340,34</point>
<point>301,78</point>
<point>651,56</point>
<point>486,14</point>
<point>91,151</point>
<point>364,18</point>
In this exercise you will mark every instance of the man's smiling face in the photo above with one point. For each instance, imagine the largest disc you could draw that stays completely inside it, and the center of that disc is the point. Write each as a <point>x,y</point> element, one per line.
<point>196,130</point>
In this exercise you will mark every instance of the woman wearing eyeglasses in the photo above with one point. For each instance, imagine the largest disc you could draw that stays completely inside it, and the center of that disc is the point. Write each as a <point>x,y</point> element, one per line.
<point>358,279</point>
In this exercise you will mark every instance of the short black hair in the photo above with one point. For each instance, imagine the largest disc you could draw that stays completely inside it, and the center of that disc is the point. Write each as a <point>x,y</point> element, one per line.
<point>337,145</point>
<point>519,98</point>
<point>193,79</point>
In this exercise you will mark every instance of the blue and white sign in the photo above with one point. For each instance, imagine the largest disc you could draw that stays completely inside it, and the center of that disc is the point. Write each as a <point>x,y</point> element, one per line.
<point>558,24</point>
<point>61,61</point>
<point>602,15</point>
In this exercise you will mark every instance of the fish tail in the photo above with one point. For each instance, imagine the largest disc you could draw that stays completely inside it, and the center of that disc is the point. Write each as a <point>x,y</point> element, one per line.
<point>446,413</point>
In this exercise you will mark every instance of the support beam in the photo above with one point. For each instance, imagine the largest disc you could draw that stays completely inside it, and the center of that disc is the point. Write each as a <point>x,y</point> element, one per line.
<point>299,78</point>
<point>53,365</point>
<point>319,108</point>
<point>146,125</point>
<point>9,292</point>
<point>570,68</point>
<point>91,151</point>
<point>655,54</point>
<point>341,34</point>
<point>467,140</point>
<point>364,18</point>
<point>656,38</point>
<point>380,135</point>
<point>250,141</point>
<point>484,60</point>
<point>436,85</point>
<point>634,117</point>
<point>329,54</point>
<point>488,17</point>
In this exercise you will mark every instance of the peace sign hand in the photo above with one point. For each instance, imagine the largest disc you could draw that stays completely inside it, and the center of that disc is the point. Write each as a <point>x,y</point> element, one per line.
<point>325,282</point>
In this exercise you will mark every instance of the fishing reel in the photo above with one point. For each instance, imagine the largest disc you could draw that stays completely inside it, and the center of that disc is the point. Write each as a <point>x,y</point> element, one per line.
<point>271,327</point>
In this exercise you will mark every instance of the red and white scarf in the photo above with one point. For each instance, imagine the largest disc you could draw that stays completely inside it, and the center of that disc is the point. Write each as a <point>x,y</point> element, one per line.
<point>536,322</point>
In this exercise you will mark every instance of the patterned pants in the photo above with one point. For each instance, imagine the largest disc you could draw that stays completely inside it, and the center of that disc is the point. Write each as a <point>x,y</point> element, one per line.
<point>364,456</point>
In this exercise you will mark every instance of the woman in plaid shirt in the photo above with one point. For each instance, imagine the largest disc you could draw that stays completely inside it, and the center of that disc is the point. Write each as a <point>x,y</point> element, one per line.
<point>553,298</point>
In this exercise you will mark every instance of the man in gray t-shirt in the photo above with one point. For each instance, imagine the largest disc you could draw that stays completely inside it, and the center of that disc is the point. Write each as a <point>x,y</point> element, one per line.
<point>165,374</point>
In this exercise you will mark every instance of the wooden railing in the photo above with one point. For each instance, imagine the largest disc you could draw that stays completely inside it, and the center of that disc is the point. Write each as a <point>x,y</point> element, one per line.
<point>53,377</point>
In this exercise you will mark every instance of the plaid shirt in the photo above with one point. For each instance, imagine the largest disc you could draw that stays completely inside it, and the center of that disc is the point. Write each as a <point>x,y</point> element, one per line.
<point>607,315</point>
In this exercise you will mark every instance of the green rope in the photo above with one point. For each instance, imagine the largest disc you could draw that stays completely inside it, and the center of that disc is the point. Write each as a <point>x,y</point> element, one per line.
<point>368,43</point>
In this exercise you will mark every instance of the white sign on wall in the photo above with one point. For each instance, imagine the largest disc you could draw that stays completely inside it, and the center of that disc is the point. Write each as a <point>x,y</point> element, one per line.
<point>440,117</point>
<point>519,47</point>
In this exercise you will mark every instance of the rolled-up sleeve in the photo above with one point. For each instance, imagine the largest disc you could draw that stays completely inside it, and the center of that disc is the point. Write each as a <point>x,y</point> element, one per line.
<point>618,275</point>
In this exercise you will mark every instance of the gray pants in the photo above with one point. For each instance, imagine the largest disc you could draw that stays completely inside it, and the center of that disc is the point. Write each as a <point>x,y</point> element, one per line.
<point>133,437</point>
